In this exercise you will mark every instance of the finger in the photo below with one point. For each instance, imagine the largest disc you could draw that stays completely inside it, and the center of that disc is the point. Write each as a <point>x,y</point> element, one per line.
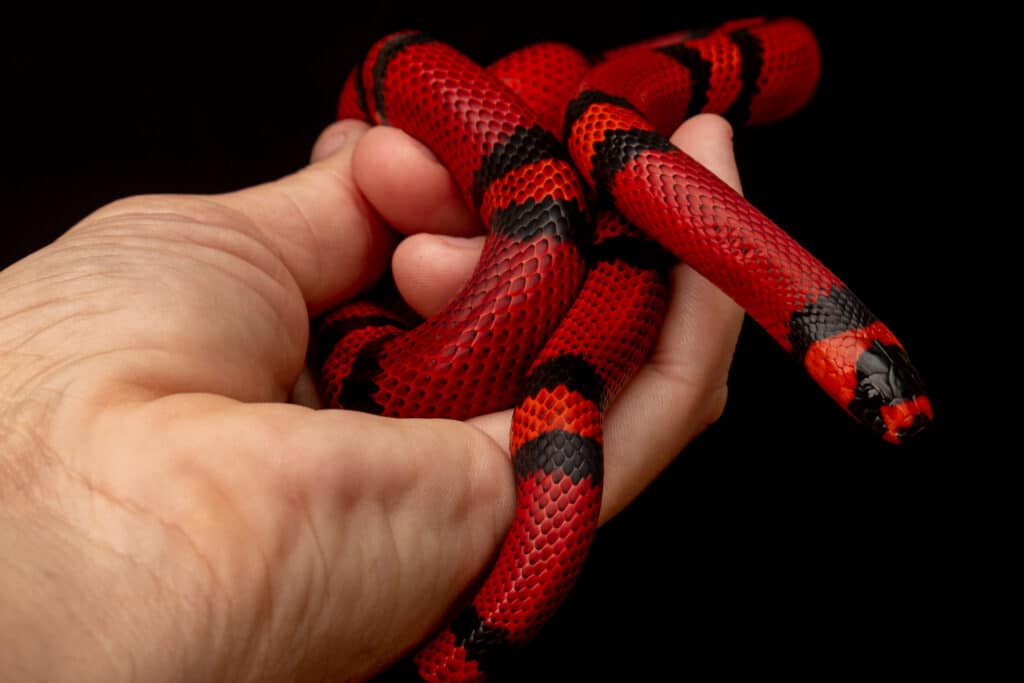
<point>708,139</point>
<point>329,237</point>
<point>360,544</point>
<point>331,140</point>
<point>409,186</point>
<point>702,323</point>
<point>430,269</point>
<point>682,387</point>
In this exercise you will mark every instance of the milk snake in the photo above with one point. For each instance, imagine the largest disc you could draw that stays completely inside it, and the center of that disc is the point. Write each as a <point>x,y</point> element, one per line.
<point>566,160</point>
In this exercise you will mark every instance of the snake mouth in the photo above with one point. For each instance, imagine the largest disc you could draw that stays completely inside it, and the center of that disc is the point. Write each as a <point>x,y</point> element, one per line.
<point>890,397</point>
<point>905,420</point>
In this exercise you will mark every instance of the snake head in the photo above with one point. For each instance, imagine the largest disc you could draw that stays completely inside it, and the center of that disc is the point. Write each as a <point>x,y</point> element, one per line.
<point>890,397</point>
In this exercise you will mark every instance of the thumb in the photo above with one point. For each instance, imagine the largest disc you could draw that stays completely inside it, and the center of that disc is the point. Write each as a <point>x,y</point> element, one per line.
<point>326,233</point>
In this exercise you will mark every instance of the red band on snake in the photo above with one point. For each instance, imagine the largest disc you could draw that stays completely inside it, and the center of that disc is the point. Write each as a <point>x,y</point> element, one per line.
<point>562,310</point>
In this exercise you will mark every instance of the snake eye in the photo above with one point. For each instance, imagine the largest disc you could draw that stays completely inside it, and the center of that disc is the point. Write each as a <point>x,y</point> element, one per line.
<point>868,390</point>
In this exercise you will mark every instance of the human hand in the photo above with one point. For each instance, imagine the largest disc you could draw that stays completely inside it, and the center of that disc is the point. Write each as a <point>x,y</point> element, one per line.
<point>166,515</point>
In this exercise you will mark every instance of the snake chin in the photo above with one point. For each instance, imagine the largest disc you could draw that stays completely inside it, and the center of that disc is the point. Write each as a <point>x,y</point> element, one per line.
<point>890,397</point>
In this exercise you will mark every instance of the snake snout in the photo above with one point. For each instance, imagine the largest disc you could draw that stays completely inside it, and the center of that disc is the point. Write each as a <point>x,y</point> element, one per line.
<point>890,396</point>
<point>906,419</point>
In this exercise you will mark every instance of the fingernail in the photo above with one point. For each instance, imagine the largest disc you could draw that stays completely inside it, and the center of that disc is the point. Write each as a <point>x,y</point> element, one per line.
<point>336,137</point>
<point>327,146</point>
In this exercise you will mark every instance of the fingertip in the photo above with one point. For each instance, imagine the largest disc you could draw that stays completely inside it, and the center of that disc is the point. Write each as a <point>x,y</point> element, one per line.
<point>334,137</point>
<point>710,125</point>
<point>429,270</point>
<point>708,139</point>
<point>408,186</point>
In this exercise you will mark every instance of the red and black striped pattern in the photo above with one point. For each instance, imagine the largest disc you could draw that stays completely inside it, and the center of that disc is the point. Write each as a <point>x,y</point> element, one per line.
<point>524,333</point>
<point>557,451</point>
<point>753,72</point>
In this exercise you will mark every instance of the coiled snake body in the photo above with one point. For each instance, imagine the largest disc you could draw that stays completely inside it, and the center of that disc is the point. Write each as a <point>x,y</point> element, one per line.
<point>568,296</point>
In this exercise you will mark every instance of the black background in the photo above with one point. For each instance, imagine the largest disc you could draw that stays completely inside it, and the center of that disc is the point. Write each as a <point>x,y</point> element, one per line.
<point>785,539</point>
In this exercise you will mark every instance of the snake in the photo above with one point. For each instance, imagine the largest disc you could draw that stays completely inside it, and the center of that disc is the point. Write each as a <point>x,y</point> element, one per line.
<point>566,159</point>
